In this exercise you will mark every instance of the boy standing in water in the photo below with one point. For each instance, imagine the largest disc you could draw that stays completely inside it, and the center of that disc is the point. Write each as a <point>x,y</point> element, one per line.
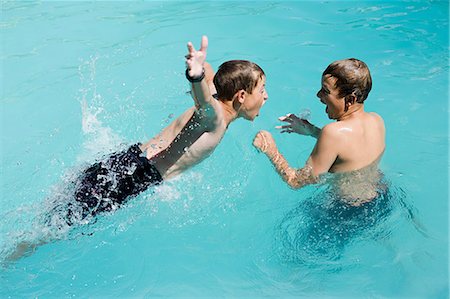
<point>353,144</point>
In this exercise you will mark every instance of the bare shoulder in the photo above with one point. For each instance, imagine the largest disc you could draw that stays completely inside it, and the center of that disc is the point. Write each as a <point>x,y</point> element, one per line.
<point>377,119</point>
<point>331,130</point>
<point>330,133</point>
<point>376,116</point>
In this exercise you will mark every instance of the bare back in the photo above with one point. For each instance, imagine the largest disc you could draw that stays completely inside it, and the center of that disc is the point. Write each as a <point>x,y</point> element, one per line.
<point>185,142</point>
<point>349,144</point>
<point>357,144</point>
<point>361,142</point>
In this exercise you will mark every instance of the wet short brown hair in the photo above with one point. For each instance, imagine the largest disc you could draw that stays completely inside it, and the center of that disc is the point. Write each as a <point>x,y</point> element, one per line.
<point>235,75</point>
<point>352,77</point>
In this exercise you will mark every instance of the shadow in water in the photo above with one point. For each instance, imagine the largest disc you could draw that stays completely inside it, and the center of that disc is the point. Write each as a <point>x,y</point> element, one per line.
<point>318,230</point>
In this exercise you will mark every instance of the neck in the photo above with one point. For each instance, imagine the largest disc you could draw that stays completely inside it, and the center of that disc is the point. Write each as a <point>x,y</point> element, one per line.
<point>353,110</point>
<point>229,113</point>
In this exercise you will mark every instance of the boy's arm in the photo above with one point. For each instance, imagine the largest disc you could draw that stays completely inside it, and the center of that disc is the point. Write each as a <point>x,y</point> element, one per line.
<point>195,73</point>
<point>319,162</point>
<point>298,125</point>
<point>325,151</point>
<point>209,77</point>
<point>295,178</point>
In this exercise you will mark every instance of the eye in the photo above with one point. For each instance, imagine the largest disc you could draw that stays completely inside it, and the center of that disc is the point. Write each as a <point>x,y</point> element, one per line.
<point>325,91</point>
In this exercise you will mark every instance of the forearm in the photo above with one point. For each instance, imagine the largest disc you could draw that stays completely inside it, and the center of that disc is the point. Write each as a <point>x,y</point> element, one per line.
<point>201,92</point>
<point>195,73</point>
<point>295,178</point>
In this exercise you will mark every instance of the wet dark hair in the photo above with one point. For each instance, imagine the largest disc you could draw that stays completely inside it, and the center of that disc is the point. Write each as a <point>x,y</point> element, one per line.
<point>352,77</point>
<point>235,75</point>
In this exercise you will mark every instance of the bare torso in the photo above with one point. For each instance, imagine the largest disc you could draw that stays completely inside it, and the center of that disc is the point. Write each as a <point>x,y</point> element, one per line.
<point>359,141</point>
<point>185,142</point>
<point>359,186</point>
<point>359,150</point>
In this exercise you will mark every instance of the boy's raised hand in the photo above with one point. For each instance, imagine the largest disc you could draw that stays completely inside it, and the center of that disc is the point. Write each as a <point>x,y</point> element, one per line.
<point>195,59</point>
<point>295,125</point>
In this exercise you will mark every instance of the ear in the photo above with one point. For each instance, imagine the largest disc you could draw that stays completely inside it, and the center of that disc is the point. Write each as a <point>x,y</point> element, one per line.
<point>350,99</point>
<point>240,96</point>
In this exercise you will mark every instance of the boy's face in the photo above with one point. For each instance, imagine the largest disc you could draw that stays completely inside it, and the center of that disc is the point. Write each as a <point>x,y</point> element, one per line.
<point>329,95</point>
<point>254,101</point>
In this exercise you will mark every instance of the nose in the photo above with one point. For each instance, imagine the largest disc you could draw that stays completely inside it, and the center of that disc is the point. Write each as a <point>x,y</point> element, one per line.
<point>319,93</point>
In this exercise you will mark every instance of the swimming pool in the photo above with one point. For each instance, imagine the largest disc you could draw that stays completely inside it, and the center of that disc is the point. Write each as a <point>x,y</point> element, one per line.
<point>81,79</point>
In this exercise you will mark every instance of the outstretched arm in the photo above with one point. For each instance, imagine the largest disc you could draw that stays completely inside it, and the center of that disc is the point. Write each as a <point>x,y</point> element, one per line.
<point>209,77</point>
<point>322,158</point>
<point>195,73</point>
<point>295,178</point>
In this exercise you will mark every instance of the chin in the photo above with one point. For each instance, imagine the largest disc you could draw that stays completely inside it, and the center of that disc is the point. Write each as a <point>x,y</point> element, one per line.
<point>251,117</point>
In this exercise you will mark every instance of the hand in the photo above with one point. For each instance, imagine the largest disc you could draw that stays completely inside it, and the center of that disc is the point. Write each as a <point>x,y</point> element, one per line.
<point>195,59</point>
<point>264,142</point>
<point>296,125</point>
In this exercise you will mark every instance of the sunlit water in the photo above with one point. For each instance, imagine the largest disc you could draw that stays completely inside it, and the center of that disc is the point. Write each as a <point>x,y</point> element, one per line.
<point>81,80</point>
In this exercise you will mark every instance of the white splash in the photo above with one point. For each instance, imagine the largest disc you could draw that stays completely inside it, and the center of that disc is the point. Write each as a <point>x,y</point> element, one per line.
<point>98,137</point>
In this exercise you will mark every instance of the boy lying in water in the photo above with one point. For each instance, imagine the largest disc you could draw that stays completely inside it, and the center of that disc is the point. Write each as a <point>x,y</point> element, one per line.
<point>352,145</point>
<point>192,137</point>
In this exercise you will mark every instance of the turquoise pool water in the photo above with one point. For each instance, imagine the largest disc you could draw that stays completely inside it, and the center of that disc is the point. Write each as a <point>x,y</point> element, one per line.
<point>79,80</point>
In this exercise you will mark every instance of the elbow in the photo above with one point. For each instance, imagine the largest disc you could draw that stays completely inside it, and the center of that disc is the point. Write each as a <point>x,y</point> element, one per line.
<point>301,178</point>
<point>294,184</point>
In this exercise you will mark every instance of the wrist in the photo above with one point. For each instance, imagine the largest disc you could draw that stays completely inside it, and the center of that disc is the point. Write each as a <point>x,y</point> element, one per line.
<point>315,132</point>
<point>195,78</point>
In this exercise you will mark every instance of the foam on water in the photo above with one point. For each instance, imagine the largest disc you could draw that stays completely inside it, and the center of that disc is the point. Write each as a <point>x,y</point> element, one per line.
<point>97,137</point>
<point>46,221</point>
